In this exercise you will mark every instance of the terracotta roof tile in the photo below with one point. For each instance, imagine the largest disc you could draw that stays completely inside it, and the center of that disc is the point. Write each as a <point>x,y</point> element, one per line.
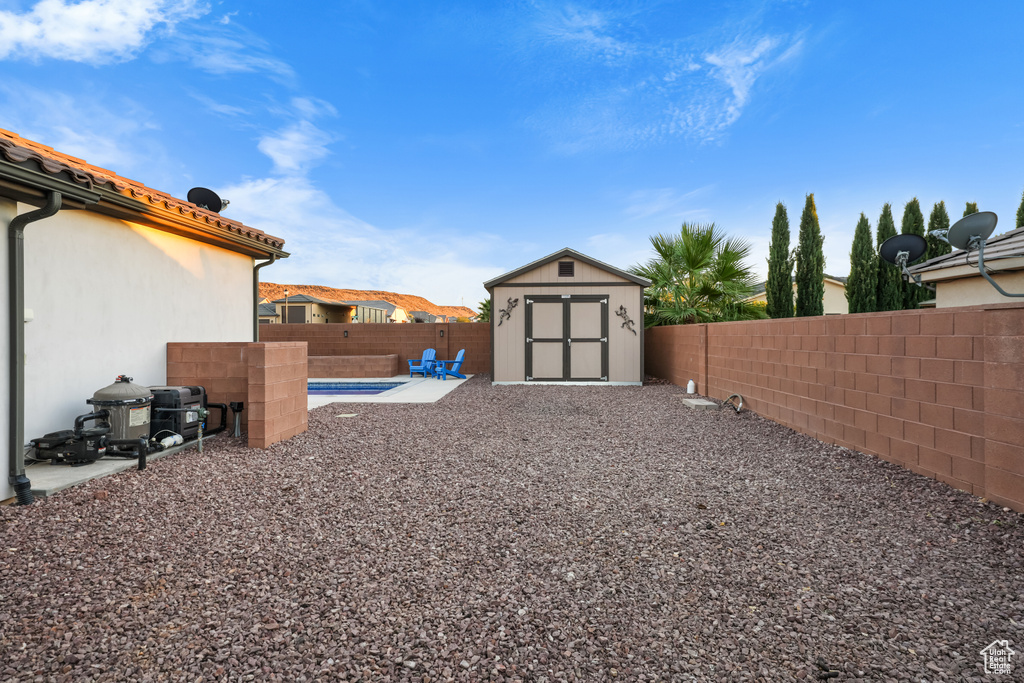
<point>17,149</point>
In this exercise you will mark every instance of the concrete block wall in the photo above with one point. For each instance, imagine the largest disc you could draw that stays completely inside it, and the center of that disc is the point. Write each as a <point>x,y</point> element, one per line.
<point>939,391</point>
<point>354,366</point>
<point>269,377</point>
<point>407,341</point>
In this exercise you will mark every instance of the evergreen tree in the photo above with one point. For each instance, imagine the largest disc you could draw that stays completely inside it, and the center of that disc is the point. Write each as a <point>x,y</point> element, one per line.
<point>938,220</point>
<point>888,285</point>
<point>779,287</point>
<point>810,263</point>
<point>912,224</point>
<point>1020,212</point>
<point>861,287</point>
<point>972,207</point>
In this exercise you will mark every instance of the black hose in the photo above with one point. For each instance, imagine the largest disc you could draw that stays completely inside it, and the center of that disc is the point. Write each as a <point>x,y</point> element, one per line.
<point>223,419</point>
<point>82,419</point>
<point>139,449</point>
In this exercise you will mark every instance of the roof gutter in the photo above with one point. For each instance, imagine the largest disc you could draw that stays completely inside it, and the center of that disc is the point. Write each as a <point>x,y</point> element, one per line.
<point>256,297</point>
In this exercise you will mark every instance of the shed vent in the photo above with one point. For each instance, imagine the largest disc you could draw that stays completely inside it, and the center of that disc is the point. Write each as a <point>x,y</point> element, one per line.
<point>566,268</point>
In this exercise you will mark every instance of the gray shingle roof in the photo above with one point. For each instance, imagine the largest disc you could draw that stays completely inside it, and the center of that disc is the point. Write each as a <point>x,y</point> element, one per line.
<point>1007,245</point>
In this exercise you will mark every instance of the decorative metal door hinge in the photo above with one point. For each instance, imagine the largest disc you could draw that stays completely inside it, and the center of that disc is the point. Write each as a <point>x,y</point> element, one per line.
<point>528,378</point>
<point>604,339</point>
<point>604,301</point>
<point>605,378</point>
<point>567,296</point>
<point>529,301</point>
<point>528,340</point>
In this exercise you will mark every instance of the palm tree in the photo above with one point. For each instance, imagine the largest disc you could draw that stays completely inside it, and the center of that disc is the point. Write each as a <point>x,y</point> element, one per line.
<point>698,276</point>
<point>484,314</point>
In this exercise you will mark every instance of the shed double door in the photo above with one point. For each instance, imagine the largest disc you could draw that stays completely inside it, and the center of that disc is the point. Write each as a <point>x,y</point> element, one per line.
<point>567,338</point>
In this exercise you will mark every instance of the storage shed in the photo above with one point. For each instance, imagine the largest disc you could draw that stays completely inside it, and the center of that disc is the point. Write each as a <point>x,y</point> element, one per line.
<point>567,318</point>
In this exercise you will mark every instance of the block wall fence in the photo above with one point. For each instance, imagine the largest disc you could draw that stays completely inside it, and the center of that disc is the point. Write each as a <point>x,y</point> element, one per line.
<point>940,391</point>
<point>269,377</point>
<point>380,339</point>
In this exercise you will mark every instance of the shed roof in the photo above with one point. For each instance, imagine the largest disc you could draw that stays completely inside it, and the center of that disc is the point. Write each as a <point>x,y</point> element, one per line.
<point>566,253</point>
<point>28,168</point>
<point>1005,246</point>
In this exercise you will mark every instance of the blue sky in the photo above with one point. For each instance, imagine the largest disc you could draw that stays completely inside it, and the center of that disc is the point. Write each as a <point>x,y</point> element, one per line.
<point>427,147</point>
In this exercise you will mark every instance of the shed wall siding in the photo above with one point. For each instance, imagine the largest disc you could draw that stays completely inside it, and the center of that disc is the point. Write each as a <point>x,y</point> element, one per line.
<point>583,272</point>
<point>623,346</point>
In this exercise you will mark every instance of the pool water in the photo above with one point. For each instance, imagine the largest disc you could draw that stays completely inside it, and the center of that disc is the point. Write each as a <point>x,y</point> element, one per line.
<point>350,388</point>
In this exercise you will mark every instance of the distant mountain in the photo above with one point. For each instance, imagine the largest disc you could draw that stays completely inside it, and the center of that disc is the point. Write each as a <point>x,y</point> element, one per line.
<point>272,291</point>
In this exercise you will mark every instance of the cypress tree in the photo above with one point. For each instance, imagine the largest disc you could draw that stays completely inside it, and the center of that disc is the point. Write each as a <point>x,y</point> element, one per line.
<point>810,263</point>
<point>972,207</point>
<point>779,287</point>
<point>1020,212</point>
<point>861,287</point>
<point>912,224</point>
<point>938,220</point>
<point>888,286</point>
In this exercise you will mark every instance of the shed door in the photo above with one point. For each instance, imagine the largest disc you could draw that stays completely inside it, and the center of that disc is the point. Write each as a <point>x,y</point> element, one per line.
<point>567,338</point>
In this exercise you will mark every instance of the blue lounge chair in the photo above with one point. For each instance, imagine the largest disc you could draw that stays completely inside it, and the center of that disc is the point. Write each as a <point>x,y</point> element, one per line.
<point>441,369</point>
<point>424,365</point>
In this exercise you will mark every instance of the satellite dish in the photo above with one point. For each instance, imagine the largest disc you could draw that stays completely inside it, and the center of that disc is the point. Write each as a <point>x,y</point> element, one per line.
<point>910,245</point>
<point>977,226</point>
<point>207,199</point>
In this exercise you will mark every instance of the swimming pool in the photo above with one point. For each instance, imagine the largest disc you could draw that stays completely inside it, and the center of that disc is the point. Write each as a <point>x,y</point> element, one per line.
<point>351,388</point>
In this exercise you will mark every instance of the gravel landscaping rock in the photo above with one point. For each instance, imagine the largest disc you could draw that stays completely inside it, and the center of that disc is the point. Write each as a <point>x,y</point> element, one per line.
<point>506,533</point>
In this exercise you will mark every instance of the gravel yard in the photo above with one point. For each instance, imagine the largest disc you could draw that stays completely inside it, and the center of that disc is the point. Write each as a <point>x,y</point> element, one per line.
<point>512,533</point>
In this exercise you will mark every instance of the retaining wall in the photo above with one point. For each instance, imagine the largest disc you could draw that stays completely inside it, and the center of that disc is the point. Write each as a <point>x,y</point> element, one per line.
<point>269,377</point>
<point>404,340</point>
<point>938,391</point>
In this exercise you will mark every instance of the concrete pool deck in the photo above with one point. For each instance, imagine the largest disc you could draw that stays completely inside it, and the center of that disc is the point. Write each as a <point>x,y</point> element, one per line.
<point>415,390</point>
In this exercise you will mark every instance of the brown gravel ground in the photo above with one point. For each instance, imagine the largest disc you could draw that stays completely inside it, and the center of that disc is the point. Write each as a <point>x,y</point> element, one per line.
<point>533,533</point>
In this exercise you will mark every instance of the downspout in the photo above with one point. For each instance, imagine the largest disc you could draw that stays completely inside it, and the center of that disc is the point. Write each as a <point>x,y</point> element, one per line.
<point>16,330</point>
<point>256,297</point>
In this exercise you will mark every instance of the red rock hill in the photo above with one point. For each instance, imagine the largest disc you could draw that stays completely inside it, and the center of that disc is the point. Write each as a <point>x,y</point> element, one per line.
<point>272,290</point>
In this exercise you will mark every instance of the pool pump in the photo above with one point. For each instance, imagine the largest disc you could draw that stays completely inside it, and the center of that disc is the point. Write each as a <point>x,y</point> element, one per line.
<point>131,421</point>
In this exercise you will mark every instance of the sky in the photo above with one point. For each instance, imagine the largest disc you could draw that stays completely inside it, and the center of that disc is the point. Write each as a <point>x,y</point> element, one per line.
<point>425,148</point>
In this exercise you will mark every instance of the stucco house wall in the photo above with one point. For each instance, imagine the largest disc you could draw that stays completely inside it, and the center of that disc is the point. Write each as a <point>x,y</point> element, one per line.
<point>107,296</point>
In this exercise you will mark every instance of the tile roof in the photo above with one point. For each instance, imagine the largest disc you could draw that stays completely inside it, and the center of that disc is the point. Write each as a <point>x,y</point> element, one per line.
<point>268,309</point>
<point>18,150</point>
<point>1007,245</point>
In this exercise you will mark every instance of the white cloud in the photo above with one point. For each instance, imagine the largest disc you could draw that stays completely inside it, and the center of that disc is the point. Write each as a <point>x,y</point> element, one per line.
<point>586,32</point>
<point>636,93</point>
<point>225,49</point>
<point>331,247</point>
<point>295,148</point>
<point>738,66</point>
<point>107,130</point>
<point>91,31</point>
<point>666,202</point>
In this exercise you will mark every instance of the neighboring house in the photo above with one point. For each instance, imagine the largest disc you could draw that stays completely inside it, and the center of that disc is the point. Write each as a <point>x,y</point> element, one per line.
<point>368,314</point>
<point>395,314</point>
<point>834,300</point>
<point>268,314</point>
<point>958,282</point>
<point>424,317</point>
<point>303,308</point>
<point>108,274</point>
